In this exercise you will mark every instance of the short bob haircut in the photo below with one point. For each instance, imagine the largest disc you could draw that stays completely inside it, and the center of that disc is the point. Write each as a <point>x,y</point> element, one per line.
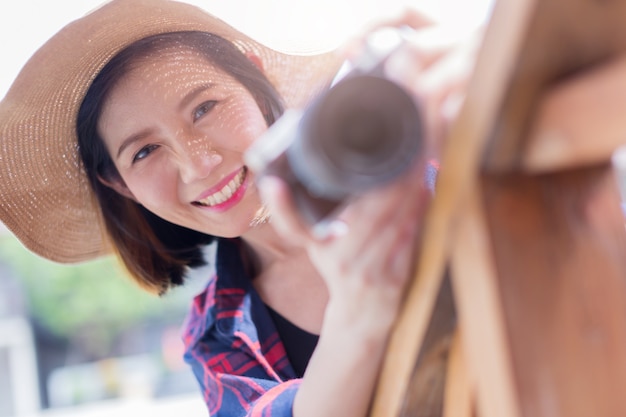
<point>157,253</point>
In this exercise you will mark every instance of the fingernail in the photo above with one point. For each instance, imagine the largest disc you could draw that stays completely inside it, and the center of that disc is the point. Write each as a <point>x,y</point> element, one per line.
<point>326,229</point>
<point>451,106</point>
<point>401,66</point>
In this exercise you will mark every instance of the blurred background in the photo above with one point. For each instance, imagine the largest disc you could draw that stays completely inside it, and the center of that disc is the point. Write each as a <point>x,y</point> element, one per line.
<point>83,340</point>
<point>71,336</point>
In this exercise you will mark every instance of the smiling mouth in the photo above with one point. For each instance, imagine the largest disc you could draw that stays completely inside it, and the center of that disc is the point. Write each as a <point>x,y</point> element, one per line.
<point>225,193</point>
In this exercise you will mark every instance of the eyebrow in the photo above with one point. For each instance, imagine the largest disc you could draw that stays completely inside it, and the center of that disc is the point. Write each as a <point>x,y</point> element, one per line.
<point>132,139</point>
<point>190,96</point>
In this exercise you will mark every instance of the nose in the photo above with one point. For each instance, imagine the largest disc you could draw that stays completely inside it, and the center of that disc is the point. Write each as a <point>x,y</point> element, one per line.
<point>198,159</point>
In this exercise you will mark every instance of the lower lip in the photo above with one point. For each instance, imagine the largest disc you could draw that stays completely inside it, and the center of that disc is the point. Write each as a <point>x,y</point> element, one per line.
<point>233,200</point>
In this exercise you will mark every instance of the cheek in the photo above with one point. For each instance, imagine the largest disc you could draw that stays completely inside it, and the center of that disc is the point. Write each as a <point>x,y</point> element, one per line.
<point>152,188</point>
<point>245,122</point>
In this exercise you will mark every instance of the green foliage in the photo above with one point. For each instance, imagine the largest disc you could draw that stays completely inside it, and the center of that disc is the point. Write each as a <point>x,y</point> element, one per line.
<point>69,299</point>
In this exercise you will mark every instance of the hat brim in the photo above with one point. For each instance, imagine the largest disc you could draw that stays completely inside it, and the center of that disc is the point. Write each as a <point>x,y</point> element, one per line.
<point>45,199</point>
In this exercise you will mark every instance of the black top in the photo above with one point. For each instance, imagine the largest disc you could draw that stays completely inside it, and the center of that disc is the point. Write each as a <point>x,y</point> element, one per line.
<point>299,344</point>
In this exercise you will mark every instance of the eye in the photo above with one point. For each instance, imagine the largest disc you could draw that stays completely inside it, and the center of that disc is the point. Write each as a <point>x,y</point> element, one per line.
<point>203,109</point>
<point>144,152</point>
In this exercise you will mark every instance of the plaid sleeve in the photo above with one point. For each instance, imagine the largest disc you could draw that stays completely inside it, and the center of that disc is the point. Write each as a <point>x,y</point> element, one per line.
<point>278,401</point>
<point>239,375</point>
<point>233,385</point>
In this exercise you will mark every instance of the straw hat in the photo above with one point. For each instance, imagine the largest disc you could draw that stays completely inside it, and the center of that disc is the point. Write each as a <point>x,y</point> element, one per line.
<point>45,199</point>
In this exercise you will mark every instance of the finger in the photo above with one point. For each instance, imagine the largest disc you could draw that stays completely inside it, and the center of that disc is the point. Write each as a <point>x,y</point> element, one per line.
<point>438,115</point>
<point>402,262</point>
<point>423,48</point>
<point>378,209</point>
<point>407,17</point>
<point>391,242</point>
<point>441,91</point>
<point>411,17</point>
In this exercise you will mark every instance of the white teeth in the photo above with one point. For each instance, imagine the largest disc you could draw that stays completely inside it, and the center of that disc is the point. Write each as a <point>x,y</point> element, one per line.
<point>226,192</point>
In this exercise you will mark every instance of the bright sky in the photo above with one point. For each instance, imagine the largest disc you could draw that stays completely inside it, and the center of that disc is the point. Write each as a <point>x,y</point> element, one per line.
<point>27,24</point>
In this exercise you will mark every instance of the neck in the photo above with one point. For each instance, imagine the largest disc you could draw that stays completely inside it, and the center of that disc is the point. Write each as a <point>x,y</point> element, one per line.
<point>285,278</point>
<point>268,247</point>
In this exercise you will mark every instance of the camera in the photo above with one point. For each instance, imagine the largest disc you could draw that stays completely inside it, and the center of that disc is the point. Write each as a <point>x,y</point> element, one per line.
<point>361,133</point>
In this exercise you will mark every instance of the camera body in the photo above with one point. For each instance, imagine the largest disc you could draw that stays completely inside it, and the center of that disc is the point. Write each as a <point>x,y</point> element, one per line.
<point>361,133</point>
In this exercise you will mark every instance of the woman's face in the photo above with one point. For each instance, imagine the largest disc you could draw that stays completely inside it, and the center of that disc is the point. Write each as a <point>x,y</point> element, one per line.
<point>176,128</point>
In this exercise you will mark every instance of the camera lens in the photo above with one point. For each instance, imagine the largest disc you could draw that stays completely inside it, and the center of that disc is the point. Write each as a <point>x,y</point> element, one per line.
<point>362,133</point>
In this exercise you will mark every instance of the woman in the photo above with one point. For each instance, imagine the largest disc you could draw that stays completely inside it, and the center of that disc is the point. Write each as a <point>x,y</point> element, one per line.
<point>126,133</point>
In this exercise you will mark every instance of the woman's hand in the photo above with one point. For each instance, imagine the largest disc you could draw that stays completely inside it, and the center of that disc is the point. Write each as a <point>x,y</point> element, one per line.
<point>436,66</point>
<point>365,261</point>
<point>367,257</point>
<point>376,232</point>
<point>434,63</point>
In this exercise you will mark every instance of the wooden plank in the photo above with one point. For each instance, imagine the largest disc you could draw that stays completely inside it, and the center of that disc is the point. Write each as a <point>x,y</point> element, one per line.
<point>580,121</point>
<point>461,156</point>
<point>480,311</point>
<point>529,46</point>
<point>564,37</point>
<point>459,390</point>
<point>559,247</point>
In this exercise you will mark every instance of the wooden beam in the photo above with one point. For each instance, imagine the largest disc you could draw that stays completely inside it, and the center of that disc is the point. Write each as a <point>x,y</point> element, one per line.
<point>559,249</point>
<point>580,121</point>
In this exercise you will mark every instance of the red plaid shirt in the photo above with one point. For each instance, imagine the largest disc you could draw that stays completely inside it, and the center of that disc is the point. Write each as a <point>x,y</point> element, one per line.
<point>233,347</point>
